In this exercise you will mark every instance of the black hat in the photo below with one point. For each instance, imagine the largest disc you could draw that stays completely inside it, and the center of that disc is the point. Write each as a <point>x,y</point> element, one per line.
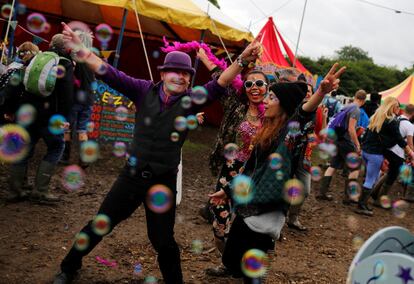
<point>290,95</point>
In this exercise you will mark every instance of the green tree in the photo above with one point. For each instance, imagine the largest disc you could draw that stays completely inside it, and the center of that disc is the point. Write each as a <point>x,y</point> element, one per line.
<point>215,3</point>
<point>352,53</point>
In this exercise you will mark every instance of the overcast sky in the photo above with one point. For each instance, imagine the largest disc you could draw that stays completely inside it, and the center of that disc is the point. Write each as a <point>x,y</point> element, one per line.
<point>330,24</point>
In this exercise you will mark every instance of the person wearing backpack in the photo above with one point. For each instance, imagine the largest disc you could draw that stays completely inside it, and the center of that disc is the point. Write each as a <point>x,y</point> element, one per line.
<point>344,123</point>
<point>396,158</point>
<point>332,104</point>
<point>59,101</point>
<point>382,133</point>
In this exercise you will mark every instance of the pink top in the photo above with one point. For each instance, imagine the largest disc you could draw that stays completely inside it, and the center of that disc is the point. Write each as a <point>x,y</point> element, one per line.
<point>245,134</point>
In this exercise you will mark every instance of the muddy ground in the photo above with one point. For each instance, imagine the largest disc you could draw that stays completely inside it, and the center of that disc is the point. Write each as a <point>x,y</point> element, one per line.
<point>34,238</point>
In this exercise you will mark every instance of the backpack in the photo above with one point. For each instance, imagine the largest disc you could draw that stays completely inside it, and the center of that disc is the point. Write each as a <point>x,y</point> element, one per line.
<point>338,121</point>
<point>399,119</point>
<point>40,75</point>
<point>331,107</point>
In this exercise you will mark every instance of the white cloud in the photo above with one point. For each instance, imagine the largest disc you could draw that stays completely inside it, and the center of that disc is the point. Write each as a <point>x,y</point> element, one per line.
<point>331,24</point>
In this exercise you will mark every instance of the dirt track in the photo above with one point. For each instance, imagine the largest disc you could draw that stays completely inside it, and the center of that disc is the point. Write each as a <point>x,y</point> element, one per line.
<point>34,238</point>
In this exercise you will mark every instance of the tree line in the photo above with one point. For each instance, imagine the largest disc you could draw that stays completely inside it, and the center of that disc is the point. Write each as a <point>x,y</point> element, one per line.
<point>362,72</point>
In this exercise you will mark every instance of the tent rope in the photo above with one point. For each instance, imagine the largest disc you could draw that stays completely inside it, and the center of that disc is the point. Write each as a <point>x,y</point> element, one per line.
<point>142,40</point>
<point>221,40</point>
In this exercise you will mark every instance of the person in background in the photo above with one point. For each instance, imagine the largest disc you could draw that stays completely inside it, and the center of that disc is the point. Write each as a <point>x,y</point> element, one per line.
<point>84,98</point>
<point>346,142</point>
<point>396,157</point>
<point>374,102</point>
<point>9,95</point>
<point>58,102</point>
<point>332,104</point>
<point>382,133</point>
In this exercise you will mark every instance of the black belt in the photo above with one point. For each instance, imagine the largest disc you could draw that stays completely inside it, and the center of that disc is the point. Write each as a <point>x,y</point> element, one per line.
<point>146,174</point>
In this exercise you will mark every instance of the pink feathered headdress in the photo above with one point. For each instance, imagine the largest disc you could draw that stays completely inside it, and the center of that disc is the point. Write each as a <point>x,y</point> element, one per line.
<point>195,46</point>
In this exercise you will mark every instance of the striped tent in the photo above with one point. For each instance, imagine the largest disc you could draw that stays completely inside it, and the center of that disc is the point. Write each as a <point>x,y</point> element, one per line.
<point>404,91</point>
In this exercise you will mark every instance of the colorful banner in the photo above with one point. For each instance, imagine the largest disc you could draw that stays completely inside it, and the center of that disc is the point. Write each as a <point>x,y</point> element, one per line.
<point>113,115</point>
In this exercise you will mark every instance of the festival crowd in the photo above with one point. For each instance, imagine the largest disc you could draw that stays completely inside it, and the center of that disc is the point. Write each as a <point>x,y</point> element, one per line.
<point>262,156</point>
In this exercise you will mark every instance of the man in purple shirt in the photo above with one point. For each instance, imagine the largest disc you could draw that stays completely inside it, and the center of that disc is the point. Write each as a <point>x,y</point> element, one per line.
<point>154,154</point>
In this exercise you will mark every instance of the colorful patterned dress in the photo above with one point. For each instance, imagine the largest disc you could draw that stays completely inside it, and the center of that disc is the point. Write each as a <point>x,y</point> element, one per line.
<point>222,213</point>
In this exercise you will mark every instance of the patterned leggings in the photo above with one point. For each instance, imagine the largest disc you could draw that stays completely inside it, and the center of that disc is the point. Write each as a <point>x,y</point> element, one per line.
<point>223,215</point>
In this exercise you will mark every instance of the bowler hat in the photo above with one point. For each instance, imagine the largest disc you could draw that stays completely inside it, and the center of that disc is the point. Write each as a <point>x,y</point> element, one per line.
<point>177,60</point>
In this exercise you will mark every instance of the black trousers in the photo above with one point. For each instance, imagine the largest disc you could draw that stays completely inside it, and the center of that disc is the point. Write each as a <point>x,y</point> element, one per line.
<point>241,239</point>
<point>126,195</point>
<point>394,167</point>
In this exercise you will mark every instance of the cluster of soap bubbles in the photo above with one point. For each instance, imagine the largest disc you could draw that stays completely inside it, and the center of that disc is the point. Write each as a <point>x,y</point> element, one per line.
<point>294,128</point>
<point>275,161</point>
<point>197,246</point>
<point>14,143</point>
<point>406,174</point>
<point>101,224</point>
<point>119,149</point>
<point>255,263</point>
<point>56,124</point>
<point>242,187</point>
<point>353,160</point>
<point>327,148</point>
<point>199,95</point>
<point>89,151</point>
<point>25,115</point>
<point>294,192</point>
<point>230,151</point>
<point>181,123</point>
<point>159,198</point>
<point>121,113</point>
<point>354,190</point>
<point>73,177</point>
<point>37,23</point>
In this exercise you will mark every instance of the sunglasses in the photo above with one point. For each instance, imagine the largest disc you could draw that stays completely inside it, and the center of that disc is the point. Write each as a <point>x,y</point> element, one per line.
<point>259,83</point>
<point>22,53</point>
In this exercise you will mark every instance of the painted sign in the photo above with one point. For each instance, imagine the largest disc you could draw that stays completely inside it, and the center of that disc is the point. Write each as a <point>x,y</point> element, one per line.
<point>113,115</point>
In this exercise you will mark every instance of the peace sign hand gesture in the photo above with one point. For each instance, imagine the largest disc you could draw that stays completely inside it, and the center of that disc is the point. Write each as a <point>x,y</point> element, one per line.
<point>331,80</point>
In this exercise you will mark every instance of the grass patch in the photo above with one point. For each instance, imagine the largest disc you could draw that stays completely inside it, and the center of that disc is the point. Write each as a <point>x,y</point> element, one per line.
<point>194,147</point>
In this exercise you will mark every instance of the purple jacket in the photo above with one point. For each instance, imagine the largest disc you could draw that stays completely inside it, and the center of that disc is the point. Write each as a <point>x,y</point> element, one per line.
<point>136,89</point>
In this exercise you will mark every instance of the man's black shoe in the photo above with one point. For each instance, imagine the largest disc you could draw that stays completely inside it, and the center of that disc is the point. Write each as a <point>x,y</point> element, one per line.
<point>64,278</point>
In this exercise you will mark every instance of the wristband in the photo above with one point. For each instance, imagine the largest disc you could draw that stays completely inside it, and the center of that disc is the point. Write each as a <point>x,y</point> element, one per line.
<point>242,63</point>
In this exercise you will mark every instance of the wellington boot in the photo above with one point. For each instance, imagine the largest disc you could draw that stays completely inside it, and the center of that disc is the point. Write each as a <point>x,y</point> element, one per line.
<point>324,188</point>
<point>363,208</point>
<point>43,178</point>
<point>18,176</point>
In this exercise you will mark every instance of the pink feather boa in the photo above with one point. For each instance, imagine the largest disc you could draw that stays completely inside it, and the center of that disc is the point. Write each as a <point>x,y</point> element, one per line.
<point>187,47</point>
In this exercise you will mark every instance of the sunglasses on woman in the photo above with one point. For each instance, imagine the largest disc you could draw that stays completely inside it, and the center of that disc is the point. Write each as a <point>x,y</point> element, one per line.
<point>259,83</point>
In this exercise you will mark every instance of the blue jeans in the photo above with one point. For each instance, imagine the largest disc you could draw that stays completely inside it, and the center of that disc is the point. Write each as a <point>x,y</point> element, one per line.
<point>54,143</point>
<point>79,116</point>
<point>373,164</point>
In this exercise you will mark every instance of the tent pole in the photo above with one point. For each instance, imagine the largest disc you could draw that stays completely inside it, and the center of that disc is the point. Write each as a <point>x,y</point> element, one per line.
<point>300,31</point>
<point>5,41</point>
<point>120,38</point>
<point>11,41</point>
<point>197,60</point>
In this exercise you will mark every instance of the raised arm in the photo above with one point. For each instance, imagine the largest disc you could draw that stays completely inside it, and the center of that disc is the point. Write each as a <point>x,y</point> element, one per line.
<point>329,83</point>
<point>127,85</point>
<point>201,54</point>
<point>250,54</point>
